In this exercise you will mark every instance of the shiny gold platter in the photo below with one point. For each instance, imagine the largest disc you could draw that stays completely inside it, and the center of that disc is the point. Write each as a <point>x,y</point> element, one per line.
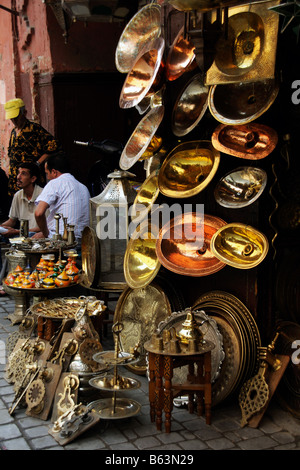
<point>240,187</point>
<point>240,246</point>
<point>190,106</point>
<point>144,27</point>
<point>241,103</point>
<point>140,311</point>
<point>115,408</point>
<point>251,141</point>
<point>143,74</point>
<point>241,339</point>
<point>146,197</point>
<point>184,245</point>
<point>111,383</point>
<point>141,263</point>
<point>90,254</point>
<point>188,169</point>
<point>141,137</point>
<point>180,57</point>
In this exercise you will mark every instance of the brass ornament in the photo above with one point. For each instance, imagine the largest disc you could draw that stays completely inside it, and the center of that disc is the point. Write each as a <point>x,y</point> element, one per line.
<point>240,246</point>
<point>190,106</point>
<point>250,141</point>
<point>240,187</point>
<point>87,349</point>
<point>35,395</point>
<point>66,398</point>
<point>181,248</point>
<point>143,74</point>
<point>144,27</point>
<point>141,137</point>
<point>188,169</point>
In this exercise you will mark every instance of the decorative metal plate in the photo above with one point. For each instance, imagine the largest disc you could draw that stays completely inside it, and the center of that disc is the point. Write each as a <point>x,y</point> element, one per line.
<point>118,409</point>
<point>90,253</point>
<point>106,382</point>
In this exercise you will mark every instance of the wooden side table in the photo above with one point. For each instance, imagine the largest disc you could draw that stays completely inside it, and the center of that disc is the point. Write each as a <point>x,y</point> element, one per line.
<point>162,390</point>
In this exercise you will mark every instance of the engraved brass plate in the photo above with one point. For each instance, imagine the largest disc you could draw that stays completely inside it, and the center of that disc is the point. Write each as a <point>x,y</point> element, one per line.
<point>188,169</point>
<point>239,246</point>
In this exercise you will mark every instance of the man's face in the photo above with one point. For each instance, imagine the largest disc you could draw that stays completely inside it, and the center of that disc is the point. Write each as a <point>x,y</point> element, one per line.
<point>24,179</point>
<point>49,174</point>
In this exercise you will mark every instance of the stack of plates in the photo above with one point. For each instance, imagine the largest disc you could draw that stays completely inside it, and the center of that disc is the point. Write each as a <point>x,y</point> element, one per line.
<point>241,340</point>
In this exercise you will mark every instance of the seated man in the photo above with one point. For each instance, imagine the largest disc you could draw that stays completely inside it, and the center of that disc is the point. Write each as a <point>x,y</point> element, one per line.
<point>23,203</point>
<point>64,195</point>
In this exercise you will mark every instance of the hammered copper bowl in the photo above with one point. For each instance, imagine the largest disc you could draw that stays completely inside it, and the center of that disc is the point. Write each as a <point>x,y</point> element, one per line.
<point>240,103</point>
<point>188,169</point>
<point>143,74</point>
<point>251,141</point>
<point>243,45</point>
<point>190,106</point>
<point>144,27</point>
<point>239,245</point>
<point>141,137</point>
<point>240,187</point>
<point>183,245</point>
<point>180,57</point>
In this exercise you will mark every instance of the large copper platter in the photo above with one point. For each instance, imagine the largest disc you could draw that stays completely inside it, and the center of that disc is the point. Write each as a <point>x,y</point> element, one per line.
<point>240,103</point>
<point>140,311</point>
<point>188,169</point>
<point>141,263</point>
<point>180,251</point>
<point>251,141</point>
<point>141,77</point>
<point>239,246</point>
<point>180,57</point>
<point>141,137</point>
<point>240,187</point>
<point>144,27</point>
<point>90,254</point>
<point>190,106</point>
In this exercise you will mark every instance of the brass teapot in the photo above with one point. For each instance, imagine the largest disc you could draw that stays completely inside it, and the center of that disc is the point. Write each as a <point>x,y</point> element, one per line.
<point>190,330</point>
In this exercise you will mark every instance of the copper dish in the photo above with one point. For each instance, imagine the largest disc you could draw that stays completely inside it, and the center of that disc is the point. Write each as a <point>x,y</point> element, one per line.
<point>250,141</point>
<point>141,137</point>
<point>183,245</point>
<point>239,245</point>
<point>141,77</point>
<point>188,169</point>
<point>180,57</point>
<point>240,103</point>
<point>190,106</point>
<point>240,187</point>
<point>144,27</point>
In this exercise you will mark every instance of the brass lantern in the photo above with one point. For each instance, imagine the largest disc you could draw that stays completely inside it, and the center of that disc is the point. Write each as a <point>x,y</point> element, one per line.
<point>109,219</point>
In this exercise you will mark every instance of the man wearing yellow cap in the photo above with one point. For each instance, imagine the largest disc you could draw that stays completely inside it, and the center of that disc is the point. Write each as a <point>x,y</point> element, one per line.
<point>29,141</point>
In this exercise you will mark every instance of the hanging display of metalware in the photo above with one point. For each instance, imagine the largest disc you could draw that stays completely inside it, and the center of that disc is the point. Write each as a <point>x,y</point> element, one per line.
<point>188,169</point>
<point>142,75</point>
<point>109,218</point>
<point>144,27</point>
<point>141,137</point>
<point>241,341</point>
<point>250,141</point>
<point>246,52</point>
<point>141,263</point>
<point>239,246</point>
<point>180,57</point>
<point>183,245</point>
<point>190,106</point>
<point>241,103</point>
<point>240,187</point>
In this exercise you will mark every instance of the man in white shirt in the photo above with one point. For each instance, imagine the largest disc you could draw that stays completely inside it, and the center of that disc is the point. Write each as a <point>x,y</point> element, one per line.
<point>64,195</point>
<point>23,203</point>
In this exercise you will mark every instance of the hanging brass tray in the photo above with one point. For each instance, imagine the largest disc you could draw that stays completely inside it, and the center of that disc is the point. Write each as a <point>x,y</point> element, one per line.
<point>146,197</point>
<point>179,251</point>
<point>140,311</point>
<point>190,106</point>
<point>144,27</point>
<point>240,246</point>
<point>188,169</point>
<point>251,141</point>
<point>240,187</point>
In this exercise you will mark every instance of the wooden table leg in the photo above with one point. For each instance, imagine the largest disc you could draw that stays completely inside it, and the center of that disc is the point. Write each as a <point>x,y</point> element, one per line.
<point>151,358</point>
<point>207,386</point>
<point>200,380</point>
<point>159,391</point>
<point>191,379</point>
<point>168,393</point>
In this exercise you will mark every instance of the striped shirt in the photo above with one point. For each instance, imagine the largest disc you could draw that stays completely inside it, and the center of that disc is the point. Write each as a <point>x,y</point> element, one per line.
<point>67,196</point>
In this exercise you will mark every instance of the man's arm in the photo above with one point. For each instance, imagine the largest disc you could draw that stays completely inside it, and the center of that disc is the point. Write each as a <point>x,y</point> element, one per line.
<point>9,226</point>
<point>40,217</point>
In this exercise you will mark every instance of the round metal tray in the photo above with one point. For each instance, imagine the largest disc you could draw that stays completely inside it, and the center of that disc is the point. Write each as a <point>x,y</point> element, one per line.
<point>124,408</point>
<point>101,382</point>
<point>108,357</point>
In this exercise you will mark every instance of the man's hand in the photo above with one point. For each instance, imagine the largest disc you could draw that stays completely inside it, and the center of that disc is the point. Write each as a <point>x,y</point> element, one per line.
<point>11,232</point>
<point>38,235</point>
